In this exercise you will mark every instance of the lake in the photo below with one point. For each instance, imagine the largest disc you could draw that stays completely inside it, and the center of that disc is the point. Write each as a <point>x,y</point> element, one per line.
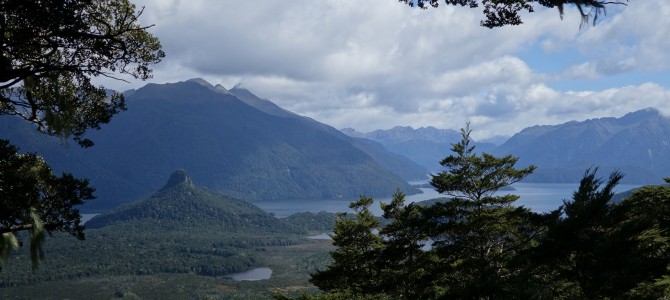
<point>540,197</point>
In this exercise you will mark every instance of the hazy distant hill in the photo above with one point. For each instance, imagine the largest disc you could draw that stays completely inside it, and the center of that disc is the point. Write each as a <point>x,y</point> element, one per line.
<point>249,151</point>
<point>638,144</point>
<point>399,164</point>
<point>426,146</point>
<point>68,157</point>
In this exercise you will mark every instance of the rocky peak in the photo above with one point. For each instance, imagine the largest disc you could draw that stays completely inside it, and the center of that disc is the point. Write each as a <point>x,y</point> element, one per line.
<point>179,177</point>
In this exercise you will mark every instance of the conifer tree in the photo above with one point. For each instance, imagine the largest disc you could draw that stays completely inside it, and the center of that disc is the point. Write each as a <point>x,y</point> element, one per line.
<point>354,268</point>
<point>477,233</point>
<point>403,257</point>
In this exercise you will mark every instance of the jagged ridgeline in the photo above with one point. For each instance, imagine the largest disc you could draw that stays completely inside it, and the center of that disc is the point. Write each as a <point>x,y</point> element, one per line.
<point>182,228</point>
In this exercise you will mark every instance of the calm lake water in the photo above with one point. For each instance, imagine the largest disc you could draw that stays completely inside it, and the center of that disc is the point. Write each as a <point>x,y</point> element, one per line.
<point>540,197</point>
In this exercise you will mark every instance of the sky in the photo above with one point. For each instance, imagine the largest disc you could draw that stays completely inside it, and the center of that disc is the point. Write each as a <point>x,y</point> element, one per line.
<point>376,64</point>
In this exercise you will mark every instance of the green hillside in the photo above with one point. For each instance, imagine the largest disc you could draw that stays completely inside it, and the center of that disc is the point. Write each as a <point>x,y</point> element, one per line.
<point>180,229</point>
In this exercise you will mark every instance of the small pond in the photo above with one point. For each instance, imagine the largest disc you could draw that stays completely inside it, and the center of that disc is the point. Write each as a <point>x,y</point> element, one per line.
<point>251,275</point>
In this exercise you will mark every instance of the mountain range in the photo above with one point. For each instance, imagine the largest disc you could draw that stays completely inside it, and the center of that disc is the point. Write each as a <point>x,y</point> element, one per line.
<point>635,144</point>
<point>228,140</point>
<point>236,143</point>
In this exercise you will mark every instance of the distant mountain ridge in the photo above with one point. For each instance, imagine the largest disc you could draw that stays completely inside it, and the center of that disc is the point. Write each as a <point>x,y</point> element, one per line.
<point>637,144</point>
<point>242,146</point>
<point>426,146</point>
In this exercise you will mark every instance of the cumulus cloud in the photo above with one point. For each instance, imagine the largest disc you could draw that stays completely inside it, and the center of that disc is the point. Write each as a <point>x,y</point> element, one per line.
<point>377,63</point>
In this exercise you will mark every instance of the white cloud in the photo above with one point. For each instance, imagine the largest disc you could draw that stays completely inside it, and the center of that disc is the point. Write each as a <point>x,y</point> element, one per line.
<point>377,63</point>
<point>500,73</point>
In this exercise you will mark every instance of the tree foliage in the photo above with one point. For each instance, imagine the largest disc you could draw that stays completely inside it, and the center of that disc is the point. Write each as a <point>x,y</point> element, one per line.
<point>608,250</point>
<point>374,261</point>
<point>477,234</point>
<point>476,177</point>
<point>502,13</point>
<point>402,256</point>
<point>50,51</point>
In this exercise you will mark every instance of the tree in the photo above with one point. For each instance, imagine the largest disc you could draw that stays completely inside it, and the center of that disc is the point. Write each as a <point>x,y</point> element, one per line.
<point>476,237</point>
<point>374,261</point>
<point>477,234</point>
<point>50,51</point>
<point>485,247</point>
<point>501,13</point>
<point>645,225</point>
<point>354,270</point>
<point>403,260</point>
